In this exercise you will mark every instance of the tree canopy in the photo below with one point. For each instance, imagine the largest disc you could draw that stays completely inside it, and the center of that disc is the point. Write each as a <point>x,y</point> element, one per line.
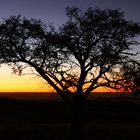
<point>93,48</point>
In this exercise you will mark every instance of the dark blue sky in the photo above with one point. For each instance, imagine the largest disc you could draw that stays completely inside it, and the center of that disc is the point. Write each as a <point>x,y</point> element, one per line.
<point>54,10</point>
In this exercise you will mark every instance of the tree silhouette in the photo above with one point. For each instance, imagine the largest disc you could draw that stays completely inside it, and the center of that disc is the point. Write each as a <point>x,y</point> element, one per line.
<point>131,72</point>
<point>92,49</point>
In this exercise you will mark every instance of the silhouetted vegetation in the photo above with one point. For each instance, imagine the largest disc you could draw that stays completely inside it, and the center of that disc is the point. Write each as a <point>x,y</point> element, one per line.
<point>92,49</point>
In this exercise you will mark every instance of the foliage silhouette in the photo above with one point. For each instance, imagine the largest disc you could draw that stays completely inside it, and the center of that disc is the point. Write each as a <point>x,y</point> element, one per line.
<point>92,49</point>
<point>131,72</point>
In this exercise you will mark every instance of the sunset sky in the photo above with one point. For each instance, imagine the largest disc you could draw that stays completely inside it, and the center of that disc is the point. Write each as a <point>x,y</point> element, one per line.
<point>52,11</point>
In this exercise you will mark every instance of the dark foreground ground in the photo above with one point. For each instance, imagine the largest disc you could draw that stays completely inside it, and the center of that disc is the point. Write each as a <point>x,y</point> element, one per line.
<point>104,119</point>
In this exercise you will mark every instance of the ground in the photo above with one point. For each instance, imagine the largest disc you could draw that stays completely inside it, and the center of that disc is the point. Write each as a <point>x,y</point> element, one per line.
<point>111,118</point>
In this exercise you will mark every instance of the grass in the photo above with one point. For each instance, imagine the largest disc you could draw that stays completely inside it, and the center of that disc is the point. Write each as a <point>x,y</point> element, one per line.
<point>104,119</point>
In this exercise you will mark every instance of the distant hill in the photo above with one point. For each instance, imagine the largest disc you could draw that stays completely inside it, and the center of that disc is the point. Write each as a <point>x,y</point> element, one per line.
<point>31,95</point>
<point>55,96</point>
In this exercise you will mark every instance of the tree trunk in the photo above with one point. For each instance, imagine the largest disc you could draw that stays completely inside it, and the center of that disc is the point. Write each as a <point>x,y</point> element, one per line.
<point>77,120</point>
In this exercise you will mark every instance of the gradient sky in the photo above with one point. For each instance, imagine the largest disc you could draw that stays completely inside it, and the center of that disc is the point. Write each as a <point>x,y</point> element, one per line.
<point>52,11</point>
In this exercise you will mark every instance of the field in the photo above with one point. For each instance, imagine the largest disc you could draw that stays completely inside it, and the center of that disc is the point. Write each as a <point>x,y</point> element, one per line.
<point>106,118</point>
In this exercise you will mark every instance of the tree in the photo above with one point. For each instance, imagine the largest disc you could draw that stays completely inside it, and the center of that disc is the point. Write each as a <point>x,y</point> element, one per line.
<point>131,72</point>
<point>92,49</point>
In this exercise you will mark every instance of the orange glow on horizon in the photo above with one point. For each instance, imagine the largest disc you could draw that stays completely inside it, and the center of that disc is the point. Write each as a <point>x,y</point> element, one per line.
<point>13,83</point>
<point>104,89</point>
<point>29,83</point>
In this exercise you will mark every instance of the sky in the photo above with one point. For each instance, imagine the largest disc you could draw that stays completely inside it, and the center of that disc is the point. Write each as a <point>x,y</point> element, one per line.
<point>52,11</point>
